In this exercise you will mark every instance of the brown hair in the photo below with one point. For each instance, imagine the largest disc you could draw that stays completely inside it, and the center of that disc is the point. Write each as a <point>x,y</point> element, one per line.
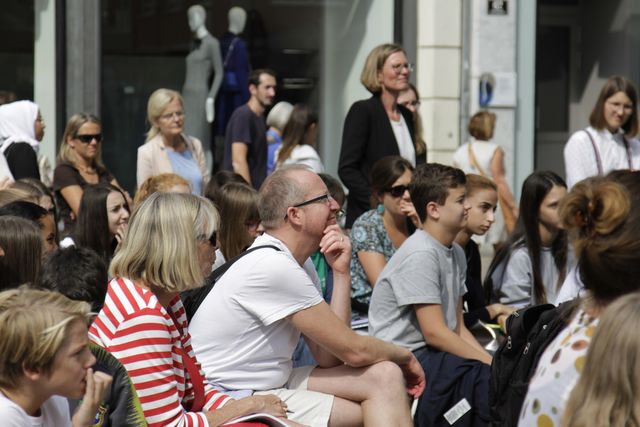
<point>481,125</point>
<point>431,182</point>
<point>374,63</point>
<point>602,216</point>
<point>384,173</point>
<point>479,182</point>
<point>614,85</point>
<point>162,183</point>
<point>420,144</point>
<point>238,205</point>
<point>294,132</point>
<point>21,241</point>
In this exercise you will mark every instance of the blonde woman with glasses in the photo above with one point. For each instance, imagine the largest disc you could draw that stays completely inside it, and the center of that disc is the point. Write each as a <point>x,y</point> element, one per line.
<point>378,126</point>
<point>79,164</point>
<point>168,248</point>
<point>167,149</point>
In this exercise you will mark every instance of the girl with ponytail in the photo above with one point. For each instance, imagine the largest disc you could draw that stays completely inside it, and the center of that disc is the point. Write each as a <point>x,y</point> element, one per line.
<point>602,216</point>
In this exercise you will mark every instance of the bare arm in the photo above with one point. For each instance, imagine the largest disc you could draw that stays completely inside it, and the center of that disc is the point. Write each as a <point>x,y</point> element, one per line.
<point>464,332</point>
<point>438,335</point>
<point>72,195</point>
<point>497,170</point>
<point>239,151</point>
<point>270,404</point>
<point>372,263</point>
<point>319,324</point>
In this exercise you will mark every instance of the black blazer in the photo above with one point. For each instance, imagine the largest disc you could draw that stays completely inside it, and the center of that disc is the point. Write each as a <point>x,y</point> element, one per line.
<point>366,138</point>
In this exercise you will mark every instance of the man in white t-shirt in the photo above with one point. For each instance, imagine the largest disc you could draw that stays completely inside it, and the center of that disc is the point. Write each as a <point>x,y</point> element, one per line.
<point>247,328</point>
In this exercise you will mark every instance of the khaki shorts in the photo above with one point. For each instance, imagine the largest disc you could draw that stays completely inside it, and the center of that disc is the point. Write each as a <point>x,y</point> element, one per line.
<point>306,407</point>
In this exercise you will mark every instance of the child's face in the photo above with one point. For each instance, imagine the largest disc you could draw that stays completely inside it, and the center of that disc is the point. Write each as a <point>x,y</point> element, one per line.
<point>482,209</point>
<point>454,212</point>
<point>548,214</point>
<point>69,370</point>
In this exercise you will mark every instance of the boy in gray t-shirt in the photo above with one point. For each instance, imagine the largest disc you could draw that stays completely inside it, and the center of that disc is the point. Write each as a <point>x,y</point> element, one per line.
<point>417,299</point>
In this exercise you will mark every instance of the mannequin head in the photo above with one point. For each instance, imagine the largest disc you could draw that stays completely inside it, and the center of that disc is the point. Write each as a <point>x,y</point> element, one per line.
<point>237,19</point>
<point>197,17</point>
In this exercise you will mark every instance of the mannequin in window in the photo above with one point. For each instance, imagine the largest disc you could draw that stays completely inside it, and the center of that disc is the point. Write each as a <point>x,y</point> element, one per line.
<point>203,60</point>
<point>234,91</point>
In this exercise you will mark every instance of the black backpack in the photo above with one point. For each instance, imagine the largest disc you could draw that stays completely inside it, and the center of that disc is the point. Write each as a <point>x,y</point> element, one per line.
<point>530,331</point>
<point>192,298</point>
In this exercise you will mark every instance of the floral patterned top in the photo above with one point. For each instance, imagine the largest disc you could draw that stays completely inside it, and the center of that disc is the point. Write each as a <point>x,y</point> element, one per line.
<point>558,372</point>
<point>367,235</point>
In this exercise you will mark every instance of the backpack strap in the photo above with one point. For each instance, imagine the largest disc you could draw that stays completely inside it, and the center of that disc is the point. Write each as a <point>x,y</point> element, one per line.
<point>192,299</point>
<point>597,152</point>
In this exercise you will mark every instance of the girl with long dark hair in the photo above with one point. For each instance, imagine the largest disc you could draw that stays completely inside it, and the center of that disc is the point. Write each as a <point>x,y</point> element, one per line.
<point>102,220</point>
<point>531,266</point>
<point>299,140</point>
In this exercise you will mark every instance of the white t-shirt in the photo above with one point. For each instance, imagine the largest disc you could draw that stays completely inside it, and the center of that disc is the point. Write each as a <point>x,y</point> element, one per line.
<point>240,332</point>
<point>580,158</point>
<point>54,412</point>
<point>403,138</point>
<point>303,154</point>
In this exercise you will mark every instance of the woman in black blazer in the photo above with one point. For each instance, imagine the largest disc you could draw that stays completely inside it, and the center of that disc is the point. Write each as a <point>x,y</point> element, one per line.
<point>377,127</point>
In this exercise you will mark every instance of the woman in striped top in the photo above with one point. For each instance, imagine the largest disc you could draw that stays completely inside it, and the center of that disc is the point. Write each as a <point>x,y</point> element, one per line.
<point>168,248</point>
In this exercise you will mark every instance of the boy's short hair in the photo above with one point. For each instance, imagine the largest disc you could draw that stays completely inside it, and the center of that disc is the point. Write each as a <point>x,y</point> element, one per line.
<point>431,183</point>
<point>479,182</point>
<point>78,273</point>
<point>34,325</point>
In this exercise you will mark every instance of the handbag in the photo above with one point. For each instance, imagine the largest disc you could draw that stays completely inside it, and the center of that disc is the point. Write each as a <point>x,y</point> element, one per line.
<point>509,218</point>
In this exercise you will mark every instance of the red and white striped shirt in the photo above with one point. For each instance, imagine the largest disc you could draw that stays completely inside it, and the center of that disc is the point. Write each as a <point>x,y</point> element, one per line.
<point>139,332</point>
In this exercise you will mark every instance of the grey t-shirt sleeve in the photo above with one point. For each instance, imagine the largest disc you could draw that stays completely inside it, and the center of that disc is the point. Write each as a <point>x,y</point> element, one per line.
<point>417,279</point>
<point>517,282</point>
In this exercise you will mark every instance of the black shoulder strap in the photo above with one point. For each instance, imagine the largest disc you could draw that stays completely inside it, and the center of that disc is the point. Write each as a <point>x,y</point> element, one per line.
<point>192,298</point>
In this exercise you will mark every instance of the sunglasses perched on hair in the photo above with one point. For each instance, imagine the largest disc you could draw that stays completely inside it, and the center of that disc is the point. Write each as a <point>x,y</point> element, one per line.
<point>86,139</point>
<point>396,190</point>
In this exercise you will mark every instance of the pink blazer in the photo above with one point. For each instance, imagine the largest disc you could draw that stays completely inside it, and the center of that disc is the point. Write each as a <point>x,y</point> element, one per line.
<point>153,159</point>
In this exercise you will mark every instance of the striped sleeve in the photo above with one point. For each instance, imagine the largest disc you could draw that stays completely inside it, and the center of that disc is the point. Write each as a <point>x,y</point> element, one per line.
<point>137,332</point>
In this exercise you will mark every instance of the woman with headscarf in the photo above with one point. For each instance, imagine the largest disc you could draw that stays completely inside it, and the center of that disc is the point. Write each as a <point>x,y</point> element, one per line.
<point>21,130</point>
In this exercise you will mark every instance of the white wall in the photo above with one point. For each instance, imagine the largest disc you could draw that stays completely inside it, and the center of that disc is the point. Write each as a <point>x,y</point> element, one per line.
<point>44,64</point>
<point>350,32</point>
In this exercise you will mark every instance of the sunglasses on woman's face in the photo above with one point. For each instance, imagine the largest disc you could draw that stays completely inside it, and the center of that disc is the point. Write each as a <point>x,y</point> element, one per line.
<point>397,190</point>
<point>86,139</point>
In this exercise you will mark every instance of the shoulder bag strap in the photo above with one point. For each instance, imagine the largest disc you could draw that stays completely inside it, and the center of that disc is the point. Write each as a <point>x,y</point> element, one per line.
<point>474,161</point>
<point>629,154</point>
<point>597,153</point>
<point>231,46</point>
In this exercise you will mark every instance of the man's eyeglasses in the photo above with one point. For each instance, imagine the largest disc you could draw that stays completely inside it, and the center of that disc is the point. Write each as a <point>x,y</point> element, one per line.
<point>86,139</point>
<point>325,198</point>
<point>396,190</point>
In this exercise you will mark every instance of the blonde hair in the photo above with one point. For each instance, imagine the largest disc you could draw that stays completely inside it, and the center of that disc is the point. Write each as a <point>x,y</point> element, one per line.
<point>607,392</point>
<point>34,325</point>
<point>11,194</point>
<point>374,63</point>
<point>158,101</point>
<point>160,245</point>
<point>158,183</point>
<point>66,154</point>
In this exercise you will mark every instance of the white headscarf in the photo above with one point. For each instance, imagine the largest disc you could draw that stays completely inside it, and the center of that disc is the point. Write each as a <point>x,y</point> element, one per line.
<point>17,124</point>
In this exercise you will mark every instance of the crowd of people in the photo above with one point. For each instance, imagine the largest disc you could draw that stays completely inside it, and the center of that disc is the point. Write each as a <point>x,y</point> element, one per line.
<point>209,298</point>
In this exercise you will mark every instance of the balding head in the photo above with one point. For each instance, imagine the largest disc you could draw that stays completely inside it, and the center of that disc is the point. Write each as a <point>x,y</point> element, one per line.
<point>285,187</point>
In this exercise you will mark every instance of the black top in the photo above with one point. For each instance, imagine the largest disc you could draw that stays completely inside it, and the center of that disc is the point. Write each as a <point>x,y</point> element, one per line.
<point>65,175</point>
<point>475,293</point>
<point>366,138</point>
<point>22,161</point>
<point>249,128</point>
